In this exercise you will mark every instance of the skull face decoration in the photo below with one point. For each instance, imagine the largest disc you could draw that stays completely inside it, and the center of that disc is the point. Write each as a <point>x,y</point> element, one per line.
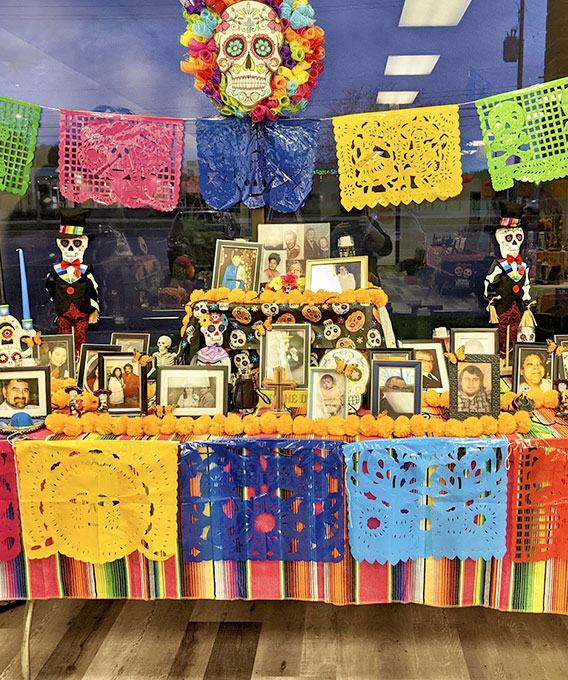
<point>213,326</point>
<point>374,338</point>
<point>249,40</point>
<point>73,248</point>
<point>237,339</point>
<point>509,240</point>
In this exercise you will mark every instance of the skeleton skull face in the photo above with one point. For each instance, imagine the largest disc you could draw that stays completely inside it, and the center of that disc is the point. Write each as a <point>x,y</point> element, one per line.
<point>200,309</point>
<point>340,308</point>
<point>331,331</point>
<point>249,39</point>
<point>73,247</point>
<point>510,240</point>
<point>213,326</point>
<point>269,309</point>
<point>237,339</point>
<point>374,338</point>
<point>164,343</point>
<point>242,362</point>
<point>526,334</point>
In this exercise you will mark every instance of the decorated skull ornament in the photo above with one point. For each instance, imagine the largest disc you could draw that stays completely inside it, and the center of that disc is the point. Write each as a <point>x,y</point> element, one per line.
<point>249,39</point>
<point>311,313</point>
<point>340,308</point>
<point>374,338</point>
<point>269,309</point>
<point>237,339</point>
<point>331,330</point>
<point>243,363</point>
<point>213,326</point>
<point>355,321</point>
<point>242,315</point>
<point>200,309</point>
<point>510,240</point>
<point>73,247</point>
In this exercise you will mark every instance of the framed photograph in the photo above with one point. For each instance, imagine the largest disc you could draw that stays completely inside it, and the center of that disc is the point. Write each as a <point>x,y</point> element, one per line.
<point>474,387</point>
<point>434,366</point>
<point>286,345</point>
<point>57,352</point>
<point>88,373</point>
<point>476,340</point>
<point>193,390</point>
<point>327,394</point>
<point>337,274</point>
<point>132,342</point>
<point>286,237</point>
<point>126,380</point>
<point>273,265</point>
<point>532,366</point>
<point>237,265</point>
<point>396,388</point>
<point>390,355</point>
<point>26,389</point>
<point>561,362</point>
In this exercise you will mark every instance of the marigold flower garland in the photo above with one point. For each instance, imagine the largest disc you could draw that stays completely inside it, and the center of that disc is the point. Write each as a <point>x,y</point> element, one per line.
<point>301,53</point>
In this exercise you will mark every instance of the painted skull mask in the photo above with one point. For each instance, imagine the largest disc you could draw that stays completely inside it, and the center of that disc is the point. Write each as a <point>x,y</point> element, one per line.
<point>243,363</point>
<point>237,339</point>
<point>249,39</point>
<point>510,240</point>
<point>213,326</point>
<point>73,247</point>
<point>374,338</point>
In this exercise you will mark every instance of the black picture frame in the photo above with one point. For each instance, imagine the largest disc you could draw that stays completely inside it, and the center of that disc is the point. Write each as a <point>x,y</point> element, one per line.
<point>66,339</point>
<point>495,396</point>
<point>87,348</point>
<point>539,348</point>
<point>128,357</point>
<point>161,384</point>
<point>42,373</point>
<point>432,345</point>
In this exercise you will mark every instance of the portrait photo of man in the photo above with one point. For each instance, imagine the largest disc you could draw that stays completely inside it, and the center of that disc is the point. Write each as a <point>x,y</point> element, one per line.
<point>397,394</point>
<point>474,395</point>
<point>294,249</point>
<point>18,395</point>
<point>312,250</point>
<point>430,372</point>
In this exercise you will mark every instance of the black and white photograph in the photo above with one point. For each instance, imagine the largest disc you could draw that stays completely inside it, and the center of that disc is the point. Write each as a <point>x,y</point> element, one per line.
<point>57,352</point>
<point>288,346</point>
<point>327,394</point>
<point>126,381</point>
<point>475,340</point>
<point>88,373</point>
<point>193,390</point>
<point>131,342</point>
<point>25,389</point>
<point>395,388</point>
<point>532,366</point>
<point>430,353</point>
<point>337,275</point>
<point>474,387</point>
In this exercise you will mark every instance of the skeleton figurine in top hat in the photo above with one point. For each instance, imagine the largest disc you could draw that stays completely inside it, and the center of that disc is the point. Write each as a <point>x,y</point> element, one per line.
<point>507,286</point>
<point>71,284</point>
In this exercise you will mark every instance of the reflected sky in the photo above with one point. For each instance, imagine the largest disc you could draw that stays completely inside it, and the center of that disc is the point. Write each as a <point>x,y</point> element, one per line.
<point>121,53</point>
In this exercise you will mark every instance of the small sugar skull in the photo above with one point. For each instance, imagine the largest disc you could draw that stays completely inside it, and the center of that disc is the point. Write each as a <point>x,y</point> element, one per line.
<point>243,363</point>
<point>286,318</point>
<point>355,321</point>
<point>199,309</point>
<point>526,334</point>
<point>249,39</point>
<point>242,315</point>
<point>314,359</point>
<point>269,309</point>
<point>213,326</point>
<point>73,247</point>
<point>237,339</point>
<point>510,240</point>
<point>311,313</point>
<point>345,343</point>
<point>374,338</point>
<point>331,330</point>
<point>259,329</point>
<point>341,309</point>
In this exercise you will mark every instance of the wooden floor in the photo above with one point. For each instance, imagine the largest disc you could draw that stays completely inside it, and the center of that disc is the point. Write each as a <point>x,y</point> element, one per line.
<point>105,640</point>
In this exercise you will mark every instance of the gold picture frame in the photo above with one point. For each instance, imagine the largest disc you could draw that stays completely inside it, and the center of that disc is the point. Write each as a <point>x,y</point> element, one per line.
<point>320,274</point>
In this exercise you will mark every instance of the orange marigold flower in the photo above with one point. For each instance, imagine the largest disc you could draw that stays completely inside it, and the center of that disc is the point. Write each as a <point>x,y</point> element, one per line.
<point>506,423</point>
<point>418,425</point>
<point>251,425</point>
<point>234,425</point>
<point>55,422</point>
<point>268,423</point>
<point>73,427</point>
<point>473,427</point>
<point>385,427</point>
<point>201,426</point>
<point>551,398</point>
<point>168,426</point>
<point>401,427</point>
<point>489,425</point>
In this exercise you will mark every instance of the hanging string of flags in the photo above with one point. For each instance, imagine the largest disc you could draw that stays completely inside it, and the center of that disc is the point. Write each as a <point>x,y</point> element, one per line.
<point>388,157</point>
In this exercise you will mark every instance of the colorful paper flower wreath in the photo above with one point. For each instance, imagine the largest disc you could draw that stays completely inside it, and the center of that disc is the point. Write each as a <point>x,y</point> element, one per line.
<point>257,58</point>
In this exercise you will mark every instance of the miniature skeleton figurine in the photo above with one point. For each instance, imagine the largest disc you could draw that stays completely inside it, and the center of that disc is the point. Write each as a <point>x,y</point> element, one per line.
<point>75,402</point>
<point>71,284</point>
<point>562,411</point>
<point>163,356</point>
<point>507,286</point>
<point>244,394</point>
<point>103,396</point>
<point>522,401</point>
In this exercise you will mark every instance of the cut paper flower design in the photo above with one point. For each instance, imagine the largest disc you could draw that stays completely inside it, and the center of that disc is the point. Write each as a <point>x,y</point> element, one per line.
<point>426,497</point>
<point>257,58</point>
<point>18,135</point>
<point>398,156</point>
<point>262,500</point>
<point>98,504</point>
<point>133,160</point>
<point>525,134</point>
<point>271,164</point>
<point>539,502</point>
<point>10,545</point>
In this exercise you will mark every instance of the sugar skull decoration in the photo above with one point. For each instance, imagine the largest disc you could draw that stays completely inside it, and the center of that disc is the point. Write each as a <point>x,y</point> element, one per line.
<point>237,339</point>
<point>257,58</point>
<point>331,330</point>
<point>269,309</point>
<point>213,326</point>
<point>242,315</point>
<point>507,287</point>
<point>199,309</point>
<point>12,350</point>
<point>311,313</point>
<point>374,338</point>
<point>355,322</point>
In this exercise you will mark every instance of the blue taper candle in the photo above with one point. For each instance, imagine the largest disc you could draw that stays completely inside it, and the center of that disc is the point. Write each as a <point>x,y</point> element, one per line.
<point>24,282</point>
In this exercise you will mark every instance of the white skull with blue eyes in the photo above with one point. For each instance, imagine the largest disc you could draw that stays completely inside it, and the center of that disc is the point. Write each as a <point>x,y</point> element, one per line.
<point>510,240</point>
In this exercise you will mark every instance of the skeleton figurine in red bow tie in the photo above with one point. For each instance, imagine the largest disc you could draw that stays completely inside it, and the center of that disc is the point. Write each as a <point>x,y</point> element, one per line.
<point>507,286</point>
<point>71,284</point>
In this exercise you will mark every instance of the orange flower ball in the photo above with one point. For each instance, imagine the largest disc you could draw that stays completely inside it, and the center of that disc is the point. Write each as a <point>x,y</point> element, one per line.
<point>489,425</point>
<point>506,423</point>
<point>473,427</point>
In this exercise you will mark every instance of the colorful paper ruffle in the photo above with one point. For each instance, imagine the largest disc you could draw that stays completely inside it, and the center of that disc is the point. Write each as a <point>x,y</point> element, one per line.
<point>262,500</point>
<point>113,158</point>
<point>265,164</point>
<point>18,135</point>
<point>426,497</point>
<point>398,156</point>
<point>10,545</point>
<point>98,502</point>
<point>538,502</point>
<point>525,134</point>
